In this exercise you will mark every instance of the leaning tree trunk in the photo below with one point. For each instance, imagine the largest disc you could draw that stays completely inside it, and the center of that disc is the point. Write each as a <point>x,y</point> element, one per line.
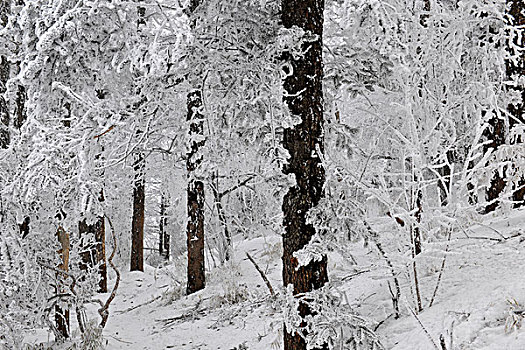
<point>137,224</point>
<point>515,71</point>
<point>304,97</point>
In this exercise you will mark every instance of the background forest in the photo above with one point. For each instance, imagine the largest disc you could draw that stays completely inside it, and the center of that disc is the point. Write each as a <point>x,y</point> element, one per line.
<point>259,174</point>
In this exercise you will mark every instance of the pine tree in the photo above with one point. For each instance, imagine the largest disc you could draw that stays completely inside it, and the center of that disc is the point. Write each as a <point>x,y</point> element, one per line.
<point>195,204</point>
<point>304,142</point>
<point>137,224</point>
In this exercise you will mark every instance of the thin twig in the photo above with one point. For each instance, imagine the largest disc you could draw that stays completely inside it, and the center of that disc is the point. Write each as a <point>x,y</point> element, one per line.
<point>105,132</point>
<point>263,276</point>
<point>493,229</point>
<point>442,269</point>
<point>422,326</point>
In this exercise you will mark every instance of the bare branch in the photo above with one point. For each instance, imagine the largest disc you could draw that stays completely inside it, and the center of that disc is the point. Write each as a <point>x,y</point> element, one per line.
<point>263,276</point>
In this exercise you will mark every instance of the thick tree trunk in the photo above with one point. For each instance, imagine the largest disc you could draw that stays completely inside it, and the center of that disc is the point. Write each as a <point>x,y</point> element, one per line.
<point>94,253</point>
<point>4,107</point>
<point>4,76</point>
<point>137,224</point>
<point>164,237</point>
<point>62,315</point>
<point>304,97</point>
<point>195,228</point>
<point>515,71</point>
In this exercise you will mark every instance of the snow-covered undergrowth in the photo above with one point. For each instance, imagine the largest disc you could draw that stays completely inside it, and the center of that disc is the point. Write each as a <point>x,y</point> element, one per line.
<point>478,304</point>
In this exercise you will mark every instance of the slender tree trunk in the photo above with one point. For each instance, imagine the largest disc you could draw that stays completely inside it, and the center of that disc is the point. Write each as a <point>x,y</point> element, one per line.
<point>304,97</point>
<point>137,224</point>
<point>195,228</point>
<point>164,237</point>
<point>100,241</point>
<point>515,71</point>
<point>222,218</point>
<point>62,315</point>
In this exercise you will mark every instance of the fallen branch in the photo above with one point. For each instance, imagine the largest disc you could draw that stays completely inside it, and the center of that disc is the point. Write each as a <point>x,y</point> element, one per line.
<point>194,310</point>
<point>263,276</point>
<point>137,306</point>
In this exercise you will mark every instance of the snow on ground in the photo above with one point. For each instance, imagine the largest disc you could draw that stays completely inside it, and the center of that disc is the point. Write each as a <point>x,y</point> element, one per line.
<point>483,282</point>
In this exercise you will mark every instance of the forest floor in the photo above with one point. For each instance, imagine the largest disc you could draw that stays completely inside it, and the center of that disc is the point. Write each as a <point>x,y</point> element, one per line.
<point>478,305</point>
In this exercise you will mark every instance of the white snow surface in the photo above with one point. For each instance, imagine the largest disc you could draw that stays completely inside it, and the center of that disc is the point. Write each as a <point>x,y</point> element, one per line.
<point>483,282</point>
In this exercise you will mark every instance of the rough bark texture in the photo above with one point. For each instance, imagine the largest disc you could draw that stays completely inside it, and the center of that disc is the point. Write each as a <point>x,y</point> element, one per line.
<point>4,108</point>
<point>20,114</point>
<point>94,253</point>
<point>515,71</point>
<point>195,228</point>
<point>304,97</point>
<point>164,237</point>
<point>496,137</point>
<point>4,76</point>
<point>137,224</point>
<point>62,315</point>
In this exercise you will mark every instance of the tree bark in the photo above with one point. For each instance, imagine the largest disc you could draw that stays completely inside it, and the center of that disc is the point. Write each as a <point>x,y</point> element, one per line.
<point>304,97</point>
<point>195,227</point>
<point>94,253</point>
<point>164,237</point>
<point>62,315</point>
<point>516,10</point>
<point>496,137</point>
<point>137,224</point>
<point>4,107</point>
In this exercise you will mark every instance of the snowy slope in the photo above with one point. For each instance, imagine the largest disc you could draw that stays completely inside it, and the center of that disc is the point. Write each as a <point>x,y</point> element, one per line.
<point>483,282</point>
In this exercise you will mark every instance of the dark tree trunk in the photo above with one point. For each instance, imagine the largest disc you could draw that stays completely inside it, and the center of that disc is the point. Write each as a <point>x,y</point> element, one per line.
<point>164,237</point>
<point>4,107</point>
<point>304,97</point>
<point>94,253</point>
<point>445,173</point>
<point>137,224</point>
<point>496,137</point>
<point>195,228</point>
<point>100,241</point>
<point>4,76</point>
<point>515,71</point>
<point>62,315</point>
<point>20,107</point>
